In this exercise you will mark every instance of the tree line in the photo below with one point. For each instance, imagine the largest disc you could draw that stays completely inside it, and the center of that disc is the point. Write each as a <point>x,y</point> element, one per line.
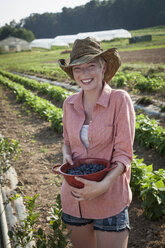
<point>96,15</point>
<point>14,30</point>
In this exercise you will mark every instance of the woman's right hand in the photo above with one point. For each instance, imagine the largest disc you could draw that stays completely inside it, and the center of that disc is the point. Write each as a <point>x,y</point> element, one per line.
<point>67,154</point>
<point>67,158</point>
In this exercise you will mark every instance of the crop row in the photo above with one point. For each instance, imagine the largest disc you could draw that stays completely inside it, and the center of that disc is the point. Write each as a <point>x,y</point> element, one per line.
<point>43,107</point>
<point>54,92</point>
<point>148,131</point>
<point>131,80</point>
<point>135,80</point>
<point>50,71</point>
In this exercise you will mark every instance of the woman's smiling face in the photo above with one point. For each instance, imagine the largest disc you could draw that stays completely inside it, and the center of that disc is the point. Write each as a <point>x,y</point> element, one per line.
<point>89,76</point>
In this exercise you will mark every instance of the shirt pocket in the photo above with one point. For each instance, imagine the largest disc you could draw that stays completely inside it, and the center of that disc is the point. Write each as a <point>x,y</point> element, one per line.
<point>104,134</point>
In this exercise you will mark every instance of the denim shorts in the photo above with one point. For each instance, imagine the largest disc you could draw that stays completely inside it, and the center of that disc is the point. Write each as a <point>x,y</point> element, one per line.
<point>116,223</point>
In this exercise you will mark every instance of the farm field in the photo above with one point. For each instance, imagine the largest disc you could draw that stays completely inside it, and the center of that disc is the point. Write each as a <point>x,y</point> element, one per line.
<point>41,145</point>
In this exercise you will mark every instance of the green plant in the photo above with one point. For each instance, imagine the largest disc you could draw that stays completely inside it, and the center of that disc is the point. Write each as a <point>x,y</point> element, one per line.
<point>119,80</point>
<point>10,198</point>
<point>144,100</point>
<point>8,150</point>
<point>163,108</point>
<point>22,234</point>
<point>149,133</point>
<point>136,81</point>
<point>149,185</point>
<point>56,238</point>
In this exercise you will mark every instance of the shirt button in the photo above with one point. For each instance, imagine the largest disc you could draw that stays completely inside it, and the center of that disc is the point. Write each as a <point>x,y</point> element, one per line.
<point>90,138</point>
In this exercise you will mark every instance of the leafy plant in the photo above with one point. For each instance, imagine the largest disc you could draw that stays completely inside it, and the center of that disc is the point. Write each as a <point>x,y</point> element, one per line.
<point>144,100</point>
<point>8,150</point>
<point>163,108</point>
<point>149,185</point>
<point>56,238</point>
<point>149,133</point>
<point>22,234</point>
<point>136,81</point>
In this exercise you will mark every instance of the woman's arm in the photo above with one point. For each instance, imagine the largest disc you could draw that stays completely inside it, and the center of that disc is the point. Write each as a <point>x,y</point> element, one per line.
<point>112,175</point>
<point>67,154</point>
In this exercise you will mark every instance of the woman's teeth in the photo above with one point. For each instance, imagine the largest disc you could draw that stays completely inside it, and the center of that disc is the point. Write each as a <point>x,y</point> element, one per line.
<point>87,81</point>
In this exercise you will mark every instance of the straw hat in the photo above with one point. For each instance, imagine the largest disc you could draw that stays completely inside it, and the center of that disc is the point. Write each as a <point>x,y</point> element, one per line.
<point>85,50</point>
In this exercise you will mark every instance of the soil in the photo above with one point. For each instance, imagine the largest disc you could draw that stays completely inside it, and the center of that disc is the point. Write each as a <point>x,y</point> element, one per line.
<point>147,56</point>
<point>41,149</point>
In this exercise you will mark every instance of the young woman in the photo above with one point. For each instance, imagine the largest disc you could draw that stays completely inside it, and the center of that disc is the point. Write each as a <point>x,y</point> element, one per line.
<point>98,122</point>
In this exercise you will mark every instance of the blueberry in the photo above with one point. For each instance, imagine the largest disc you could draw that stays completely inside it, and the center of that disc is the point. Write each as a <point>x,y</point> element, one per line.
<point>85,169</point>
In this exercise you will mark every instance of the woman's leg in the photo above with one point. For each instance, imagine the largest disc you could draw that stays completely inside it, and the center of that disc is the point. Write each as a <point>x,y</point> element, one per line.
<point>83,236</point>
<point>112,239</point>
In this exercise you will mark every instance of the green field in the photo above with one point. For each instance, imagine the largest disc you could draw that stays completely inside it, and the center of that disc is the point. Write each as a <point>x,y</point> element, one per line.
<point>44,62</point>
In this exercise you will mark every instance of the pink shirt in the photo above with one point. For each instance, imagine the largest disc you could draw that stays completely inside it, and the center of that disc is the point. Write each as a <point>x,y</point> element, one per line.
<point>111,135</point>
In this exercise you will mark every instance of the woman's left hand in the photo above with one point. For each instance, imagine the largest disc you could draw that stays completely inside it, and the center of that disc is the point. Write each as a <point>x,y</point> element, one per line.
<point>91,190</point>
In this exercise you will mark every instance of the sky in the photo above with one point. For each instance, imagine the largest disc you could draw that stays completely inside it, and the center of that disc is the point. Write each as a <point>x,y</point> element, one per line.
<point>18,9</point>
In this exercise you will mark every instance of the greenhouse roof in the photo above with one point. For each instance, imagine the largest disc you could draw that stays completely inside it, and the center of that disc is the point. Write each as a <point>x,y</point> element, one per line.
<point>47,43</point>
<point>13,41</point>
<point>42,43</point>
<point>99,35</point>
<point>106,34</point>
<point>66,38</point>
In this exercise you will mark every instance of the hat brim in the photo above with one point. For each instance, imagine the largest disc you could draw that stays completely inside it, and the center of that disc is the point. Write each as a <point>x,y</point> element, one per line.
<point>111,57</point>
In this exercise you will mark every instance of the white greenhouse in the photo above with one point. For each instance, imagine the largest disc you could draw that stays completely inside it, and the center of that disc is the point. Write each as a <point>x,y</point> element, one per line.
<point>42,43</point>
<point>59,42</point>
<point>47,43</point>
<point>99,35</point>
<point>69,39</point>
<point>106,34</point>
<point>14,44</point>
<point>65,40</point>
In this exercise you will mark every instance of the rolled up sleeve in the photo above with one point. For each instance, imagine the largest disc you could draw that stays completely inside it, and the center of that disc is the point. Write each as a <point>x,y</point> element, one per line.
<point>124,131</point>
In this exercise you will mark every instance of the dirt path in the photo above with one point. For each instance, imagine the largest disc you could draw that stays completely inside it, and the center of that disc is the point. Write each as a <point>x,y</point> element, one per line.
<point>41,149</point>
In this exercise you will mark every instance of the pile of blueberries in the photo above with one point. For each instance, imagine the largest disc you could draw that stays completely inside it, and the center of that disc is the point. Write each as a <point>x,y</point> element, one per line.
<point>84,169</point>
